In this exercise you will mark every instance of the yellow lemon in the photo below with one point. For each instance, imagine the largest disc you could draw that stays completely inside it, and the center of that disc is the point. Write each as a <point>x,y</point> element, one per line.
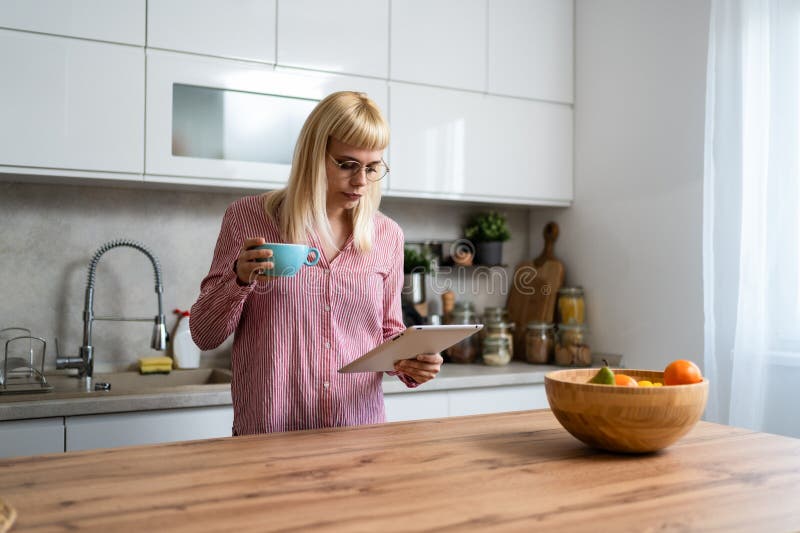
<point>645,383</point>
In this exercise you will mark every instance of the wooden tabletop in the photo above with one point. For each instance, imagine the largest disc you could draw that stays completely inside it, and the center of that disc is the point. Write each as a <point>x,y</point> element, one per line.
<point>513,471</point>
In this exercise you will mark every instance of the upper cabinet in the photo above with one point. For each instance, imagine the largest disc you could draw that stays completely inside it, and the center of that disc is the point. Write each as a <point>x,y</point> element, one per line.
<point>70,104</point>
<point>241,29</point>
<point>348,36</point>
<point>480,108</point>
<point>460,145</point>
<point>219,122</point>
<point>121,21</point>
<point>531,49</point>
<point>439,42</point>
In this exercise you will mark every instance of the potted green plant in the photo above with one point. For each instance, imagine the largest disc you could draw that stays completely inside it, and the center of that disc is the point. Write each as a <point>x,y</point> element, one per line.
<point>488,231</point>
<point>415,265</point>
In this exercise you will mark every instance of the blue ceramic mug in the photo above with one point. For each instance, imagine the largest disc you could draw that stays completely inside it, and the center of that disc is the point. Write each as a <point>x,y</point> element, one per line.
<point>287,258</point>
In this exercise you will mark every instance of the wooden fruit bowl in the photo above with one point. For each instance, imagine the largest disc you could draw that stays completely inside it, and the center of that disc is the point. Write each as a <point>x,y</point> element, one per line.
<point>624,419</point>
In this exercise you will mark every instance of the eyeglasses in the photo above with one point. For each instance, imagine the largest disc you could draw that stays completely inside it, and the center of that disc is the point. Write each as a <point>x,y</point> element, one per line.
<point>375,172</point>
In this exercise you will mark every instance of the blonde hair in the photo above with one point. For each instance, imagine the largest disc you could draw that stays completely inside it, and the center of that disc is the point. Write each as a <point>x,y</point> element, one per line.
<point>352,118</point>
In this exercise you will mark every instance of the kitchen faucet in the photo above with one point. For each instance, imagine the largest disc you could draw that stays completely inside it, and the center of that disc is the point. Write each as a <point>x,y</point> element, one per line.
<point>85,361</point>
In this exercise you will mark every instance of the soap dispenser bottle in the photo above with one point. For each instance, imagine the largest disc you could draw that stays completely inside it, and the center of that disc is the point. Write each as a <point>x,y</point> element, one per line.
<point>184,351</point>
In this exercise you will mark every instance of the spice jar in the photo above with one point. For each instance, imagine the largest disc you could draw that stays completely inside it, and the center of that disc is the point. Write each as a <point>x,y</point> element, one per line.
<point>467,350</point>
<point>571,305</point>
<point>539,343</point>
<point>501,328</point>
<point>571,349</point>
<point>495,351</point>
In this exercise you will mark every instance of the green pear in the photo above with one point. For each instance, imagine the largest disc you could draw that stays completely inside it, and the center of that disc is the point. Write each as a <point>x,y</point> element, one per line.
<point>604,376</point>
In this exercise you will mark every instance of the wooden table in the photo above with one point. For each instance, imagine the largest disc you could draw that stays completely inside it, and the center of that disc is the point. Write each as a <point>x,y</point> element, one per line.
<point>514,471</point>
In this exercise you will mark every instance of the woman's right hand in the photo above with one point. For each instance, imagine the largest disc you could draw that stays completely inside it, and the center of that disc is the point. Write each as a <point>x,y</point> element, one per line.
<point>247,268</point>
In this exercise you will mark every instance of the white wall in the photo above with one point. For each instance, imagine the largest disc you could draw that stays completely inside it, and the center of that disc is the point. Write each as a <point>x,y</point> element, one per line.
<point>633,237</point>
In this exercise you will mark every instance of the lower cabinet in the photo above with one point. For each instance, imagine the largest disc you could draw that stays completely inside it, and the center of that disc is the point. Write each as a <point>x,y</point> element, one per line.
<point>86,432</point>
<point>31,437</point>
<point>147,427</point>
<point>418,405</point>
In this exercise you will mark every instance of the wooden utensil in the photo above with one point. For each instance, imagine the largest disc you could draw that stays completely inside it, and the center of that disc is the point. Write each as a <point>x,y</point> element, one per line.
<point>7,516</point>
<point>534,290</point>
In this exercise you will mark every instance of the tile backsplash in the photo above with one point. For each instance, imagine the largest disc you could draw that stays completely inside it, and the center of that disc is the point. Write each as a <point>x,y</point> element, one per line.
<point>48,234</point>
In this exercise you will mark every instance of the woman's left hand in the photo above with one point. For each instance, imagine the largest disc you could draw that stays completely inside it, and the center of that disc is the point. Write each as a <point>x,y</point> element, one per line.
<point>422,369</point>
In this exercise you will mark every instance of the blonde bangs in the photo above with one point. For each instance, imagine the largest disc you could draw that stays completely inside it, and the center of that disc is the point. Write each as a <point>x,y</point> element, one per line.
<point>364,127</point>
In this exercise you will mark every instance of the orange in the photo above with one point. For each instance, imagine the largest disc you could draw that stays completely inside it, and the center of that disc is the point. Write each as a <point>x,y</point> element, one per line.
<point>682,372</point>
<point>625,381</point>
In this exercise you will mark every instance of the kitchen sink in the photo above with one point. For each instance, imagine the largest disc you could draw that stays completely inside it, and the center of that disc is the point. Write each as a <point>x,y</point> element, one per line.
<point>134,382</point>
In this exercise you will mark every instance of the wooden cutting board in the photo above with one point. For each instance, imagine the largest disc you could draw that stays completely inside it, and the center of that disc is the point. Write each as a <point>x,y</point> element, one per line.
<point>534,290</point>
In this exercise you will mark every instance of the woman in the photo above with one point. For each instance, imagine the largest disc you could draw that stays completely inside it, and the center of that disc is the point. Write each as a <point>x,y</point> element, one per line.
<point>292,334</point>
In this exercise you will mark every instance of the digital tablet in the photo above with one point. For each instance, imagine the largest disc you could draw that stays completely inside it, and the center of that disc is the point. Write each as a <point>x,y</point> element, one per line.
<point>407,345</point>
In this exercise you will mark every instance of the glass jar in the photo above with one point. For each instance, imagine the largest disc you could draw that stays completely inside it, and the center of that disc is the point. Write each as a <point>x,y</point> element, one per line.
<point>496,351</point>
<point>571,305</point>
<point>540,343</point>
<point>467,350</point>
<point>495,314</point>
<point>571,348</point>
<point>463,306</point>
<point>501,329</point>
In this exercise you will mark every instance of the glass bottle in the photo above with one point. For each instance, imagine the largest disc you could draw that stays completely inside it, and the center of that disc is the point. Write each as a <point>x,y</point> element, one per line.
<point>496,351</point>
<point>467,350</point>
<point>571,305</point>
<point>540,343</point>
<point>571,348</point>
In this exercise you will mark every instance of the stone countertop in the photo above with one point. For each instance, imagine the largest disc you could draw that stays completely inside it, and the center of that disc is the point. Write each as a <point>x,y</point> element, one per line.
<point>455,376</point>
<point>130,391</point>
<point>145,393</point>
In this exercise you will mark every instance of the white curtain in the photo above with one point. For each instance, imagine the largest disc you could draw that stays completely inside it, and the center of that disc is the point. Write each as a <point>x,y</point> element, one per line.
<point>751,215</point>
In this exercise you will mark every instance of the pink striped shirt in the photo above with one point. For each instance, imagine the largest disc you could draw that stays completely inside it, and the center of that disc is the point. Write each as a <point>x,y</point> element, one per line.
<point>291,335</point>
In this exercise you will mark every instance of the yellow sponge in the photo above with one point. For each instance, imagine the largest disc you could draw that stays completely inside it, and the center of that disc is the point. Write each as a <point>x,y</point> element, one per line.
<point>155,365</point>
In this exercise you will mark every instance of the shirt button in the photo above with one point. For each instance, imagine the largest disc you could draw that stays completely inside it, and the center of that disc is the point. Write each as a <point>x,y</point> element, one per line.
<point>327,344</point>
<point>326,384</point>
<point>327,307</point>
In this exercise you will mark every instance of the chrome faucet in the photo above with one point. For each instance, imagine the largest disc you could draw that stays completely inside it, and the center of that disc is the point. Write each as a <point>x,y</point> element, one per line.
<point>85,361</point>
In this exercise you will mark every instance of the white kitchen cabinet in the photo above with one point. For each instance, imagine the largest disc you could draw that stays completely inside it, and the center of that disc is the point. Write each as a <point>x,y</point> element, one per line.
<point>70,104</point>
<point>31,437</point>
<point>496,399</point>
<point>346,36</point>
<point>439,42</point>
<point>417,405</point>
<point>120,21</point>
<point>241,129</point>
<point>241,29</point>
<point>531,49</point>
<point>420,404</point>
<point>147,427</point>
<point>469,146</point>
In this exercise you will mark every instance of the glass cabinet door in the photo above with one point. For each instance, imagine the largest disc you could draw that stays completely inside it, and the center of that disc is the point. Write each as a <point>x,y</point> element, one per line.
<point>236,125</point>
